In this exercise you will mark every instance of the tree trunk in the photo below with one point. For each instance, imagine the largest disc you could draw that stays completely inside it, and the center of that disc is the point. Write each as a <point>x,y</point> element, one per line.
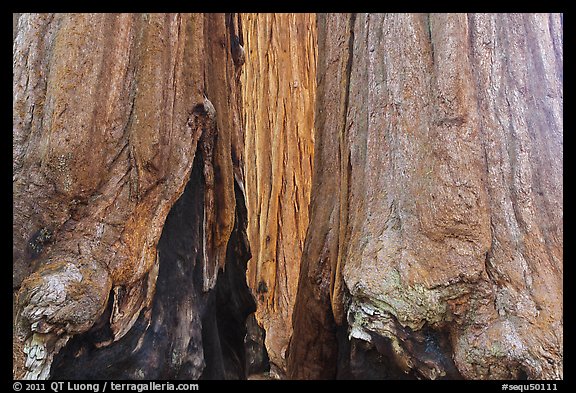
<point>279,88</point>
<point>128,197</point>
<point>435,241</point>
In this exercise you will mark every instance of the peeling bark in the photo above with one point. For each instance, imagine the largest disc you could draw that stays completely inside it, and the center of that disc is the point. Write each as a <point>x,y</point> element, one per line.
<point>435,231</point>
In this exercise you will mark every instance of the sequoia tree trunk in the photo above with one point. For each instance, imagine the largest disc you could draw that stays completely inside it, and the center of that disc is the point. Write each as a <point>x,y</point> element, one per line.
<point>398,178</point>
<point>279,88</point>
<point>435,236</point>
<point>128,197</point>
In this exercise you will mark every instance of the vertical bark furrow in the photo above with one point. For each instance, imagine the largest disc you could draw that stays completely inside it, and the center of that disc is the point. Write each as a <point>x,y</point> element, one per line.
<point>278,102</point>
<point>313,350</point>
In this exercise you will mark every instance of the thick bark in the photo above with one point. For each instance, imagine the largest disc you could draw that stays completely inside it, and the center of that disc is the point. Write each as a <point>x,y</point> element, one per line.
<point>423,241</point>
<point>110,113</point>
<point>435,231</point>
<point>279,87</point>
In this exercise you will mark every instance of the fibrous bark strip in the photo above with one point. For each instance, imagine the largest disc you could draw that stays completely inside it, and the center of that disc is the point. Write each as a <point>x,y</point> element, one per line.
<point>279,87</point>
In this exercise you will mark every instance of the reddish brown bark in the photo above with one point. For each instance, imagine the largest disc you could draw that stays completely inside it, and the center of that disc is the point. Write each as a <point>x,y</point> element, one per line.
<point>436,210</point>
<point>432,245</point>
<point>109,112</point>
<point>279,88</point>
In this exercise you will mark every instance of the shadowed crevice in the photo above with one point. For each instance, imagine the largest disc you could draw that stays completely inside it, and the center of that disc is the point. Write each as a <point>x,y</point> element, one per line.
<point>187,333</point>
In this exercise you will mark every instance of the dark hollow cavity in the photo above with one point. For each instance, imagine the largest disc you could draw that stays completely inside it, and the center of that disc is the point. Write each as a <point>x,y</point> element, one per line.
<point>187,333</point>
